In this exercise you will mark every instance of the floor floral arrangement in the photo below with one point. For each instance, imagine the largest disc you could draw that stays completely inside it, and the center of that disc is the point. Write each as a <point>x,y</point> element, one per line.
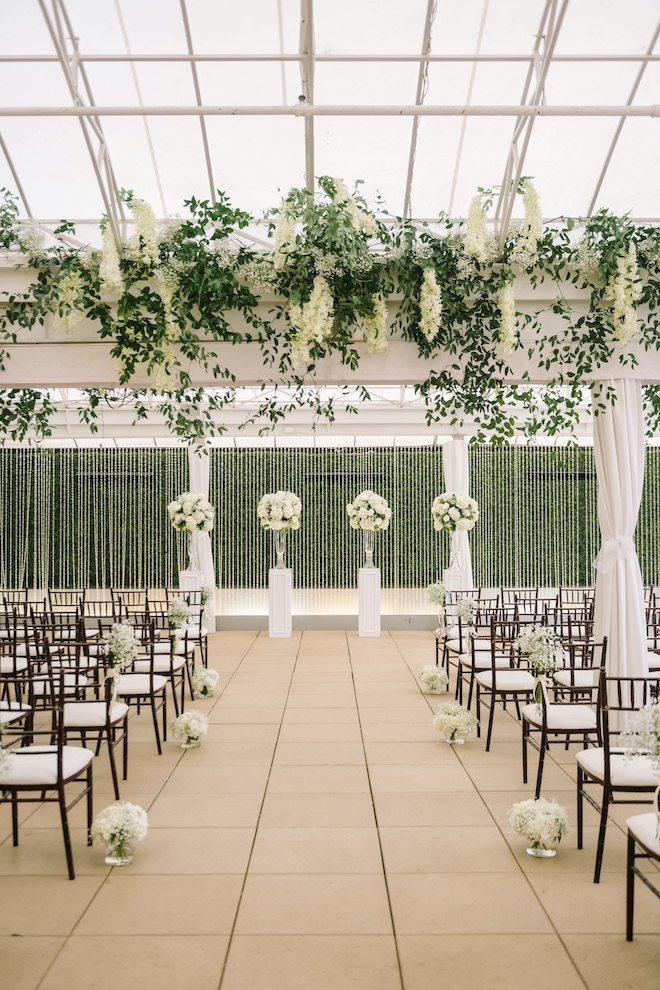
<point>543,823</point>
<point>120,826</point>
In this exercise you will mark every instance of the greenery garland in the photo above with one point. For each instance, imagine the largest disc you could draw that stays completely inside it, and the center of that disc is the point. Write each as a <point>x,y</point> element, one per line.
<point>167,295</point>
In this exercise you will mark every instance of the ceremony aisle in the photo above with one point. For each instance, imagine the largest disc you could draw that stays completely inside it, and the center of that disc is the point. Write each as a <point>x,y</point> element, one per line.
<point>324,836</point>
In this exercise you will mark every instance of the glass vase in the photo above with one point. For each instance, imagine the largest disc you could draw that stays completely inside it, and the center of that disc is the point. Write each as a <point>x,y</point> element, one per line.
<point>120,853</point>
<point>453,739</point>
<point>368,536</point>
<point>280,543</point>
<point>541,851</point>
<point>192,742</point>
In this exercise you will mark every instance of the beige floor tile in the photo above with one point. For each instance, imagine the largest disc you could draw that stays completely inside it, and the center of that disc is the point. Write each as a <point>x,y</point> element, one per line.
<point>467,903</point>
<point>316,850</point>
<point>371,716</point>
<point>425,850</point>
<point>314,905</point>
<point>23,961</point>
<point>224,715</point>
<point>206,810</point>
<point>316,716</point>
<point>434,752</point>
<point>241,732</point>
<point>419,778</point>
<point>338,699</point>
<point>319,753</point>
<point>300,962</point>
<point>204,779</point>
<point>303,675</point>
<point>41,852</point>
<point>425,808</point>
<point>497,962</point>
<point>584,907</point>
<point>130,904</point>
<point>310,732</point>
<point>499,804</point>
<point>419,731</point>
<point>502,777</point>
<point>317,810</point>
<point>40,905</point>
<point>609,961</point>
<point>318,779</point>
<point>194,850</point>
<point>231,753</point>
<point>48,815</point>
<point>569,858</point>
<point>135,962</point>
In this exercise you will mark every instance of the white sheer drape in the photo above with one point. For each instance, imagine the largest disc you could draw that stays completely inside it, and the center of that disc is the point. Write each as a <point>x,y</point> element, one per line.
<point>619,456</point>
<point>456,469</point>
<point>199,466</point>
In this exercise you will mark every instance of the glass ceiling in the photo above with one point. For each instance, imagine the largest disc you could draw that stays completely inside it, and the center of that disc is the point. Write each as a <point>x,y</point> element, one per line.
<point>197,56</point>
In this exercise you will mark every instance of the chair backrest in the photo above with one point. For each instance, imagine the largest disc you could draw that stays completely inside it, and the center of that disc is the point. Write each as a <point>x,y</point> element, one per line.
<point>580,629</point>
<point>619,697</point>
<point>66,599</point>
<point>509,595</point>
<point>649,594</point>
<point>558,617</point>
<point>131,598</point>
<point>13,596</point>
<point>98,609</point>
<point>575,596</point>
<point>581,656</point>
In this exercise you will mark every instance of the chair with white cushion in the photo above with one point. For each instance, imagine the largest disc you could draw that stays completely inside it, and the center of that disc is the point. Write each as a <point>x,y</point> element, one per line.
<point>643,832</point>
<point>146,686</point>
<point>505,677</point>
<point>477,657</point>
<point>623,779</point>
<point>195,629</point>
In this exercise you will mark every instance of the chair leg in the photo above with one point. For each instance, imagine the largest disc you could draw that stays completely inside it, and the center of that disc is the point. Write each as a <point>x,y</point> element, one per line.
<point>525,733</point>
<point>111,754</point>
<point>539,772</point>
<point>630,888</point>
<point>155,720</point>
<point>601,836</point>
<point>580,808</point>
<point>125,747</point>
<point>478,712</point>
<point>491,716</point>
<point>469,701</point>
<point>65,832</point>
<point>14,818</point>
<point>90,802</point>
<point>164,716</point>
<point>174,698</point>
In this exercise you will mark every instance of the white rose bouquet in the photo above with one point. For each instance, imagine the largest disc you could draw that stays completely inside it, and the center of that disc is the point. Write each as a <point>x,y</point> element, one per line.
<point>189,727</point>
<point>454,512</point>
<point>454,721</point>
<point>205,681</point>
<point>279,511</point>
<point>191,513</point>
<point>434,677</point>
<point>542,822</point>
<point>120,826</point>
<point>369,511</point>
<point>544,649</point>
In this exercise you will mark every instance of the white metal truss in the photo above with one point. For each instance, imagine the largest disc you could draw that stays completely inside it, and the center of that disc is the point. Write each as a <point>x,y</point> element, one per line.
<point>307,80</point>
<point>198,97</point>
<point>422,89</point>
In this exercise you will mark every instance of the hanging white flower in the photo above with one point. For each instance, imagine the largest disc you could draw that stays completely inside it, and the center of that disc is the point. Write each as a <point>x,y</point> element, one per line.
<point>360,220</point>
<point>622,292</point>
<point>430,304</point>
<point>69,294</point>
<point>109,270</point>
<point>506,301</point>
<point>475,238</point>
<point>375,326</point>
<point>525,253</point>
<point>31,238</point>
<point>146,230</point>
<point>312,321</point>
<point>285,235</point>
<point>167,280</point>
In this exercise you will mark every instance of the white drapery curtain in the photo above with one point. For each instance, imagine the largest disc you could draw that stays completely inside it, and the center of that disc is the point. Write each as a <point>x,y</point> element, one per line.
<point>619,455</point>
<point>199,465</point>
<point>456,468</point>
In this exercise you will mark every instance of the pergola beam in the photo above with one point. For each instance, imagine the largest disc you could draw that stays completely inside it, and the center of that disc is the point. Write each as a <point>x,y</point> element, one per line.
<point>198,97</point>
<point>307,82</point>
<point>293,57</point>
<point>422,88</point>
<point>342,110</point>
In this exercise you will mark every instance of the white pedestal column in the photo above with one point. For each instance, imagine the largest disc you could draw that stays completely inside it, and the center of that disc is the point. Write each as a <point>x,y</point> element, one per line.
<point>369,608</point>
<point>279,601</point>
<point>454,579</point>
<point>190,580</point>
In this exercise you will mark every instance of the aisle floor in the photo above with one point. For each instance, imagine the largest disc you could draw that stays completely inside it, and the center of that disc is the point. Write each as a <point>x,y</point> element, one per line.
<point>323,838</point>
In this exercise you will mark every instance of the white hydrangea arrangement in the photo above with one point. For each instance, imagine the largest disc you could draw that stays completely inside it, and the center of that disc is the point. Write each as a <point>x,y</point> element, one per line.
<point>454,512</point>
<point>189,727</point>
<point>178,613</point>
<point>191,513</point>
<point>205,681</point>
<point>643,735</point>
<point>434,678</point>
<point>622,292</point>
<point>369,511</point>
<point>121,645</point>
<point>120,826</point>
<point>454,721</point>
<point>543,648</point>
<point>279,511</point>
<point>542,822</point>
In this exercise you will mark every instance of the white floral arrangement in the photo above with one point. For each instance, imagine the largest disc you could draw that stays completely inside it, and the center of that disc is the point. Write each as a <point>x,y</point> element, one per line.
<point>7,758</point>
<point>437,594</point>
<point>205,681</point>
<point>642,737</point>
<point>434,677</point>
<point>506,301</point>
<point>622,292</point>
<point>542,822</point>
<point>465,611</point>
<point>190,513</point>
<point>120,823</point>
<point>544,649</point>
<point>454,721</point>
<point>430,305</point>
<point>454,512</point>
<point>189,726</point>
<point>121,645</point>
<point>207,594</point>
<point>279,511</point>
<point>178,613</point>
<point>369,511</point>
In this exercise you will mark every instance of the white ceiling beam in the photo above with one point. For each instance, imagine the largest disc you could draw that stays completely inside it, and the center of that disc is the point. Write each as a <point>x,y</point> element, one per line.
<point>283,57</point>
<point>198,97</point>
<point>307,81</point>
<point>343,110</point>
<point>422,89</point>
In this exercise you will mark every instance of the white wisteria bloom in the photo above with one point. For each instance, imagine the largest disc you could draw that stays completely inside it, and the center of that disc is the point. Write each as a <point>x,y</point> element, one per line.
<point>285,235</point>
<point>643,735</point>
<point>312,321</point>
<point>120,823</point>
<point>109,270</point>
<point>279,511</point>
<point>454,511</point>
<point>506,301</point>
<point>475,238</point>
<point>69,293</point>
<point>146,230</point>
<point>205,681</point>
<point>454,721</point>
<point>191,513</point>
<point>622,292</point>
<point>31,238</point>
<point>360,220</point>
<point>375,327</point>
<point>542,822</point>
<point>544,649</point>
<point>525,252</point>
<point>369,511</point>
<point>434,678</point>
<point>121,645</point>
<point>430,304</point>
<point>189,726</point>
<point>178,613</point>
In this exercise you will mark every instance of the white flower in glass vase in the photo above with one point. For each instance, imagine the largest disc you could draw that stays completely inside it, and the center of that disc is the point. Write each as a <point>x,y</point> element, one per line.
<point>369,511</point>
<point>120,826</point>
<point>454,721</point>
<point>189,728</point>
<point>542,822</point>
<point>121,645</point>
<point>434,677</point>
<point>279,511</point>
<point>205,681</point>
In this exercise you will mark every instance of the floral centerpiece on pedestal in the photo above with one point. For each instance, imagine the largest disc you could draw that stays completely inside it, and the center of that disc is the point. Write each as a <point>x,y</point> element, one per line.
<point>205,681</point>
<point>455,722</point>
<point>455,512</point>
<point>190,513</point>
<point>120,826</point>
<point>279,512</point>
<point>542,822</point>
<point>370,513</point>
<point>189,728</point>
<point>434,677</point>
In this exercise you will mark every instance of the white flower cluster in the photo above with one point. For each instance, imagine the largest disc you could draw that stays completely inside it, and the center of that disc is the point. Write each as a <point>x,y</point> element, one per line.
<point>452,718</point>
<point>586,261</point>
<point>465,610</point>
<point>454,511</point>
<point>6,756</point>
<point>312,321</point>
<point>622,292</point>
<point>643,735</point>
<point>525,253</point>
<point>168,230</point>
<point>421,251</point>
<point>188,726</point>
<point>285,235</point>
<point>178,613</point>
<point>437,593</point>
<point>279,511</point>
<point>191,513</point>
<point>506,301</point>
<point>205,681</point>
<point>260,275</point>
<point>476,235</point>
<point>325,264</point>
<point>434,677</point>
<point>146,231</point>
<point>109,270</point>
<point>120,822</point>
<point>31,238</point>
<point>544,649</point>
<point>167,280</point>
<point>375,327</point>
<point>208,591</point>
<point>69,292</point>
<point>542,822</point>
<point>226,251</point>
<point>121,645</point>
<point>360,220</point>
<point>430,304</point>
<point>369,511</point>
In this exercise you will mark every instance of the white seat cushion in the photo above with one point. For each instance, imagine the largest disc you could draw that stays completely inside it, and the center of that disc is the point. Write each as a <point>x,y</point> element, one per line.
<point>72,683</point>
<point>506,680</point>
<point>634,772</point>
<point>37,765</point>
<point>576,718</point>
<point>483,661</point>
<point>580,678</point>
<point>180,649</point>
<point>9,666</point>
<point>91,714</point>
<point>134,684</point>
<point>11,711</point>
<point>644,828</point>
<point>162,664</point>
